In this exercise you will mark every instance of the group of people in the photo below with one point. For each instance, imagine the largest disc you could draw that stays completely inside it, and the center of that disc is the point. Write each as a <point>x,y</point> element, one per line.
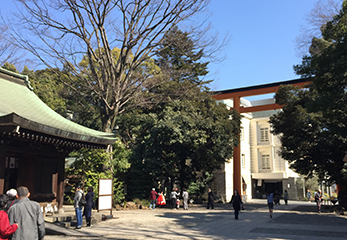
<point>20,218</point>
<point>85,203</point>
<point>175,201</point>
<point>159,199</point>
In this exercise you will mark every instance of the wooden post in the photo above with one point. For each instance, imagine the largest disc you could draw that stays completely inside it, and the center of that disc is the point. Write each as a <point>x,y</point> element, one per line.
<point>60,181</point>
<point>237,155</point>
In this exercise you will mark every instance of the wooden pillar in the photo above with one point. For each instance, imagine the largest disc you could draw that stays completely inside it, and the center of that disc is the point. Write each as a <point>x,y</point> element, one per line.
<point>237,155</point>
<point>60,182</point>
<point>2,167</point>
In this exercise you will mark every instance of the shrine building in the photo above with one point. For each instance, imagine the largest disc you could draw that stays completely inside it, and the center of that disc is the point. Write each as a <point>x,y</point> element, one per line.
<point>35,140</point>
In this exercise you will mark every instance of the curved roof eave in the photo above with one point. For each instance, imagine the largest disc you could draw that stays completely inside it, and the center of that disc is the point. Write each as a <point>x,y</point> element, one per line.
<point>20,105</point>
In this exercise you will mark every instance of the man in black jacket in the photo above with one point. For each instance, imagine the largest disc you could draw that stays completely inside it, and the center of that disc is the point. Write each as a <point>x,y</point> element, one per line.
<point>210,199</point>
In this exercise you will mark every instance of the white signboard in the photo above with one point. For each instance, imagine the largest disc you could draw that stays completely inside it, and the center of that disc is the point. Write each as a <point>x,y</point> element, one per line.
<point>105,194</point>
<point>105,202</point>
<point>105,187</point>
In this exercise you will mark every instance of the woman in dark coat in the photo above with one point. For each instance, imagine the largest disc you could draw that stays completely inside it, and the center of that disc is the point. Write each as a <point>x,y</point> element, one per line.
<point>236,201</point>
<point>88,206</point>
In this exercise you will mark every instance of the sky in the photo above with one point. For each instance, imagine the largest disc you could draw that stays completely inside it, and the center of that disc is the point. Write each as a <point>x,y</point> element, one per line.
<point>262,48</point>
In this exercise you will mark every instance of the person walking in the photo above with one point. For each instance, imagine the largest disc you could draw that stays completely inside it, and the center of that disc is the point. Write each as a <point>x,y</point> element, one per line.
<point>318,200</point>
<point>77,205</point>
<point>270,201</point>
<point>29,217</point>
<point>185,197</point>
<point>286,197</point>
<point>210,199</point>
<point>6,230</point>
<point>236,202</point>
<point>153,198</point>
<point>174,195</point>
<point>88,206</point>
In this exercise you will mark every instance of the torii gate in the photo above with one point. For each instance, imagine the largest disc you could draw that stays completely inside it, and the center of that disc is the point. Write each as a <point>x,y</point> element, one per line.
<point>238,93</point>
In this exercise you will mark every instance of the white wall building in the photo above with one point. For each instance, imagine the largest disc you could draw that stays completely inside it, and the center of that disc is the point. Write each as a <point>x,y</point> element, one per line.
<point>261,166</point>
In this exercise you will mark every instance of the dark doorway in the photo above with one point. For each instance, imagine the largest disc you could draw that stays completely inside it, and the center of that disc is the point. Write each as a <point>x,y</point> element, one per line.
<point>273,186</point>
<point>11,173</point>
<point>260,190</point>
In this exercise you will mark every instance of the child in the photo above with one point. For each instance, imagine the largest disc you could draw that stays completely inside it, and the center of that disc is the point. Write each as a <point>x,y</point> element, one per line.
<point>6,230</point>
<point>178,204</point>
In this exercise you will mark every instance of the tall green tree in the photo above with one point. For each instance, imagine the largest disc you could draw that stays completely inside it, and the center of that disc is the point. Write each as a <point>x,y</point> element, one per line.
<point>66,31</point>
<point>183,131</point>
<point>313,123</point>
<point>181,65</point>
<point>185,138</point>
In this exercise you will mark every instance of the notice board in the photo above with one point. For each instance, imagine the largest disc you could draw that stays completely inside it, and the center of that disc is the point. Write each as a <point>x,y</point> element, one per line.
<point>105,194</point>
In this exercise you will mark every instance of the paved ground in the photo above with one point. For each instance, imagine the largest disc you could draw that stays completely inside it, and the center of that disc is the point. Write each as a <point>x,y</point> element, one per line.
<point>298,220</point>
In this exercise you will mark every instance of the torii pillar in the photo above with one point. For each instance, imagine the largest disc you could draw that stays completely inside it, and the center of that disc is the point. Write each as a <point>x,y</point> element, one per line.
<point>236,95</point>
<point>237,154</point>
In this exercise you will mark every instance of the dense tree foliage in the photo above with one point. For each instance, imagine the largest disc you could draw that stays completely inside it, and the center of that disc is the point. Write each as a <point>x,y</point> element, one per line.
<point>313,123</point>
<point>88,166</point>
<point>182,69</point>
<point>185,138</point>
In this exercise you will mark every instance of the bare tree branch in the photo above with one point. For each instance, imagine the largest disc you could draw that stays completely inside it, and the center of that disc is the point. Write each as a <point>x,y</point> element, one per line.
<point>9,52</point>
<point>64,33</point>
<point>322,12</point>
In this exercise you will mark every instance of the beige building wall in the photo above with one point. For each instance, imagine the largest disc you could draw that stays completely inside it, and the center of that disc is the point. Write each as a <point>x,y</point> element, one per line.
<point>260,161</point>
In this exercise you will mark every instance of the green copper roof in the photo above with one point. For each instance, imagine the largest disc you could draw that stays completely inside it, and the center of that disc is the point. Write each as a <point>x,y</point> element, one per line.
<point>18,99</point>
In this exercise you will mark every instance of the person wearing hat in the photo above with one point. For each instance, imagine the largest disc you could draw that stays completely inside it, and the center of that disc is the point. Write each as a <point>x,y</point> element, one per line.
<point>153,198</point>
<point>29,217</point>
<point>12,198</point>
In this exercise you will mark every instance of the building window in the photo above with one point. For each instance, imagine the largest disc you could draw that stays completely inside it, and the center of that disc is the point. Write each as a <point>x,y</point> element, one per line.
<point>265,161</point>
<point>264,134</point>
<point>243,160</point>
<point>241,134</point>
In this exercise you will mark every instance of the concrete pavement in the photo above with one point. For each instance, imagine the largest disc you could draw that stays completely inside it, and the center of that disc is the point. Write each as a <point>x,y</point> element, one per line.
<point>298,220</point>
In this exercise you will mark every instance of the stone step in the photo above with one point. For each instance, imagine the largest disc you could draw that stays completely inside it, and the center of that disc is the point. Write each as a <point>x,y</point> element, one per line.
<point>66,218</point>
<point>60,218</point>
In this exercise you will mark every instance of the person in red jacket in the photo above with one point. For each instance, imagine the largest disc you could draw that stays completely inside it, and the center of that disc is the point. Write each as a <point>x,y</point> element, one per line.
<point>6,230</point>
